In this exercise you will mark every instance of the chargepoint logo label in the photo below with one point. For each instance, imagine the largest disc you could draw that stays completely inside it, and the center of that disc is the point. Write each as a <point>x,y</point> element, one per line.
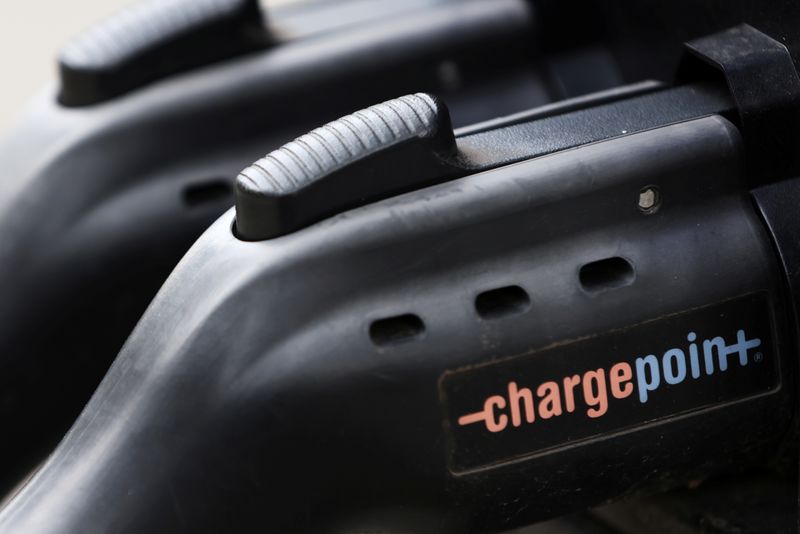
<point>546,399</point>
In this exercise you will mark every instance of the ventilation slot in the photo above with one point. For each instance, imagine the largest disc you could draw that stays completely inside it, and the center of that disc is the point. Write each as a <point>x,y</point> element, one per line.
<point>606,274</point>
<point>211,192</point>
<point>502,302</point>
<point>397,329</point>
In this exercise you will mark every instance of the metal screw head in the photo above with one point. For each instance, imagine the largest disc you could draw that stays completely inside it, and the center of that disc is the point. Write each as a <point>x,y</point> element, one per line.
<point>649,199</point>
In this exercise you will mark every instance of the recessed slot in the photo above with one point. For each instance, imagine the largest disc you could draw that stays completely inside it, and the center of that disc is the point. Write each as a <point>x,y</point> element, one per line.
<point>502,302</point>
<point>606,274</point>
<point>212,191</point>
<point>399,329</point>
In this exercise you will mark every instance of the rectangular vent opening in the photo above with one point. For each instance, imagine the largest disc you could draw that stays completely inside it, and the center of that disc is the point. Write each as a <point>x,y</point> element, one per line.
<point>603,275</point>
<point>208,192</point>
<point>398,329</point>
<point>502,302</point>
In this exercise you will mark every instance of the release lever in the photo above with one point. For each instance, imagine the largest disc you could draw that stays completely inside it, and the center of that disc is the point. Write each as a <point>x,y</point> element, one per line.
<point>383,150</point>
<point>154,39</point>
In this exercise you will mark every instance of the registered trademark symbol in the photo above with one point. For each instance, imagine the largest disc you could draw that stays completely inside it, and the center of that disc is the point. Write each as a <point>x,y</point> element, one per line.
<point>758,357</point>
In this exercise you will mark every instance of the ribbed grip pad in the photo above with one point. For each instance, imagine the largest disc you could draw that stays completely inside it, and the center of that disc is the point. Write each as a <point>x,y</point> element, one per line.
<point>141,27</point>
<point>340,143</point>
<point>371,154</point>
<point>154,38</point>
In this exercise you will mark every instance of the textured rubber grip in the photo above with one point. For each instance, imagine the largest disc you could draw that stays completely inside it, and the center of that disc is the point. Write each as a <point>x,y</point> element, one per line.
<point>393,146</point>
<point>340,143</point>
<point>152,39</point>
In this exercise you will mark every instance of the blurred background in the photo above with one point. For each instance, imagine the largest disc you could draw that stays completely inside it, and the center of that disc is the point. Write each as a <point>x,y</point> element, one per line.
<point>32,33</point>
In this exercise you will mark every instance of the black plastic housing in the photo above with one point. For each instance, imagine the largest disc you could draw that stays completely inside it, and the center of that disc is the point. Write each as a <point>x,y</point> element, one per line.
<point>267,394</point>
<point>99,202</point>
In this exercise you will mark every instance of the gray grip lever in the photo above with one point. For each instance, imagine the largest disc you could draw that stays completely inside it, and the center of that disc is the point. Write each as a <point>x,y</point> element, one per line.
<point>386,149</point>
<point>153,39</point>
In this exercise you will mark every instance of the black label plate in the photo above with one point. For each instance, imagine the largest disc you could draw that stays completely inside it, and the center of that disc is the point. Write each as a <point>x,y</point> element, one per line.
<point>547,399</point>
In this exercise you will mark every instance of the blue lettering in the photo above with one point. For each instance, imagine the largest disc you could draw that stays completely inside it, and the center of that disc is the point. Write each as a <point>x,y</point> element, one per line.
<point>655,379</point>
<point>680,362</point>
